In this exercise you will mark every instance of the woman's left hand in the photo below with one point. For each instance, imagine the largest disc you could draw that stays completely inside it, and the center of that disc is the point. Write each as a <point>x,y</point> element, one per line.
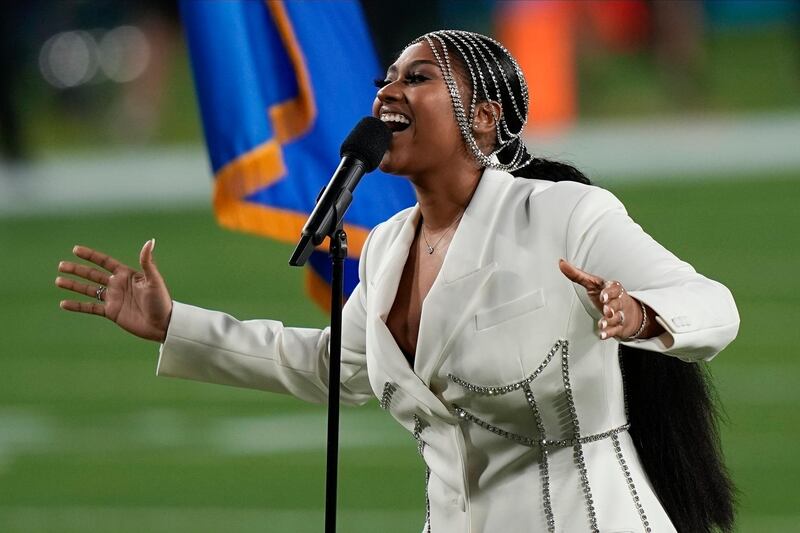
<point>622,313</point>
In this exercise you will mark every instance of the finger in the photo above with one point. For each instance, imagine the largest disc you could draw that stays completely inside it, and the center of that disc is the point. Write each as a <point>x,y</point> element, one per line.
<point>86,272</point>
<point>612,290</point>
<point>613,331</point>
<point>610,310</point>
<point>92,308</point>
<point>76,286</point>
<point>612,307</point>
<point>576,275</point>
<point>98,258</point>
<point>617,319</point>
<point>146,260</point>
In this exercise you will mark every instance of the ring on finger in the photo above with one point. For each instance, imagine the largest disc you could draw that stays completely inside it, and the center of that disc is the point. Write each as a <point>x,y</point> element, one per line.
<point>99,293</point>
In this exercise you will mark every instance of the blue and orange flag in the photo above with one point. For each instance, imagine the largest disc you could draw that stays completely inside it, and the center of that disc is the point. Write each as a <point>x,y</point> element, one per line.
<point>280,85</point>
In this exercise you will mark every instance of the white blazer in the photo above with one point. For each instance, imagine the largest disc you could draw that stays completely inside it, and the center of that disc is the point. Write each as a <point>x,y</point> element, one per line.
<point>515,402</point>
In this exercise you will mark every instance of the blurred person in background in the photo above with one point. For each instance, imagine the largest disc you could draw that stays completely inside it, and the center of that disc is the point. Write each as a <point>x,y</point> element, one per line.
<point>508,376</point>
<point>12,138</point>
<point>140,105</point>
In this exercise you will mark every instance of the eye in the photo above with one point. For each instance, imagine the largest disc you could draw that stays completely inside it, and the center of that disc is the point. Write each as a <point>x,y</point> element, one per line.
<point>380,84</point>
<point>416,78</point>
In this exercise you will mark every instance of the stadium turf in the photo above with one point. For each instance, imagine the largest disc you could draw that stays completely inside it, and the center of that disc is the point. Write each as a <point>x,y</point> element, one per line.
<point>92,441</point>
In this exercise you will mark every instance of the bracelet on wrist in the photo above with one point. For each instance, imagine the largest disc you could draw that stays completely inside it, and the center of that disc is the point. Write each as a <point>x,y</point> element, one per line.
<point>643,325</point>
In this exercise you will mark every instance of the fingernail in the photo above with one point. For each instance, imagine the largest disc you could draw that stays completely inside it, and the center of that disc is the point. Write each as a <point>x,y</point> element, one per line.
<point>603,334</point>
<point>153,246</point>
<point>603,324</point>
<point>604,297</point>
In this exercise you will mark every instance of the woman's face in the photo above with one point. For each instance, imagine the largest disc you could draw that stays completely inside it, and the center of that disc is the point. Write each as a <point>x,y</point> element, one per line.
<point>415,103</point>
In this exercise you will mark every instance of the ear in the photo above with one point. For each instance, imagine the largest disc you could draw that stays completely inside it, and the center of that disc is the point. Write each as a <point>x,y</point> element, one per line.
<point>486,116</point>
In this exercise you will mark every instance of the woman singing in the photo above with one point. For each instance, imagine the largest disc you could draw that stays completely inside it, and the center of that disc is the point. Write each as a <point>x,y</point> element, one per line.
<point>536,343</point>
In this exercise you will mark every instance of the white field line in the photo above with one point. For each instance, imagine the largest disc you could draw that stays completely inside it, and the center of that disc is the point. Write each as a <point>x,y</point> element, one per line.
<point>174,519</point>
<point>690,146</point>
<point>27,431</point>
<point>162,178</point>
<point>85,519</point>
<point>33,433</point>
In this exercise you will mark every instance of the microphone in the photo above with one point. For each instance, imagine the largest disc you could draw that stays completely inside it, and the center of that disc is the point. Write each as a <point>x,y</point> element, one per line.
<point>361,152</point>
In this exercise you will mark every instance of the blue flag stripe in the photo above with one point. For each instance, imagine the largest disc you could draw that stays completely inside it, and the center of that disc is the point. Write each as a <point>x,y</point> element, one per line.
<point>279,85</point>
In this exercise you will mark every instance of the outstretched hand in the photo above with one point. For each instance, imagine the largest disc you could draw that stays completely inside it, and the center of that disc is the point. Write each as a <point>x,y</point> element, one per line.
<point>622,313</point>
<point>137,301</point>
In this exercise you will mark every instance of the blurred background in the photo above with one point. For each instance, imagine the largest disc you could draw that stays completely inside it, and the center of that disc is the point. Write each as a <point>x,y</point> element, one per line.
<point>689,111</point>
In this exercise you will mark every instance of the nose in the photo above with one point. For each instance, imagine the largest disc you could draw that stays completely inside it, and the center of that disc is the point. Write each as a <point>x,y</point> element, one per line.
<point>390,92</point>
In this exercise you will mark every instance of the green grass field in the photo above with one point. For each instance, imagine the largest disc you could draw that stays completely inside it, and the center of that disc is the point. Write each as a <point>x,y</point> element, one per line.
<point>91,441</point>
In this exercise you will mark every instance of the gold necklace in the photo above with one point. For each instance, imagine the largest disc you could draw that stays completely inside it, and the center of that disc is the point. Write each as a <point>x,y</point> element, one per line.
<point>430,248</point>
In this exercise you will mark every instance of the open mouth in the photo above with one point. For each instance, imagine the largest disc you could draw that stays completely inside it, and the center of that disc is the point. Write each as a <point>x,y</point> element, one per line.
<point>395,121</point>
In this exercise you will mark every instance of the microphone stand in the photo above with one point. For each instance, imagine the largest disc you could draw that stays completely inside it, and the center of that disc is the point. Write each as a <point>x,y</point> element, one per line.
<point>361,152</point>
<point>337,249</point>
<point>338,252</point>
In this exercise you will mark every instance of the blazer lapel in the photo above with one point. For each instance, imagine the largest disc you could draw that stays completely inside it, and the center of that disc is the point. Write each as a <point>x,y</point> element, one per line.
<point>383,352</point>
<point>387,279</point>
<point>452,299</point>
<point>467,267</point>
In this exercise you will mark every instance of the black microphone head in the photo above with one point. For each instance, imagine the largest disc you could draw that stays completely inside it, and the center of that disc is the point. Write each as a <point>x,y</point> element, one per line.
<point>368,141</point>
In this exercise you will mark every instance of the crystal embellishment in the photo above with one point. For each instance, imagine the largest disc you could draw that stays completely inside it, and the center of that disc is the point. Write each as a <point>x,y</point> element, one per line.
<point>505,389</point>
<point>389,389</point>
<point>544,444</point>
<point>420,425</point>
<point>629,480</point>
<point>577,453</point>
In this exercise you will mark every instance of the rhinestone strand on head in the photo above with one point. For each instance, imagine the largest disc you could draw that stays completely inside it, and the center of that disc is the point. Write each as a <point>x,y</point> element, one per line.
<point>629,480</point>
<point>462,40</point>
<point>455,97</point>
<point>474,42</point>
<point>455,37</point>
<point>419,425</point>
<point>484,159</point>
<point>479,43</point>
<point>544,468</point>
<point>577,453</point>
<point>501,126</point>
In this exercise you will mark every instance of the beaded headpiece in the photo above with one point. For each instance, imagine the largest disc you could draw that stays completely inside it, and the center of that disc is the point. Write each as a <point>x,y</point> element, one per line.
<point>479,54</point>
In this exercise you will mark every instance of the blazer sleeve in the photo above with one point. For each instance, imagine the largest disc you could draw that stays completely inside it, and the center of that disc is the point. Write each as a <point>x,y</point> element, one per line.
<point>698,314</point>
<point>214,347</point>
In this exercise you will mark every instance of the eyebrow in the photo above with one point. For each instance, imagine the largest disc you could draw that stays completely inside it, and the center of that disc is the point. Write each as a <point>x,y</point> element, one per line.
<point>413,64</point>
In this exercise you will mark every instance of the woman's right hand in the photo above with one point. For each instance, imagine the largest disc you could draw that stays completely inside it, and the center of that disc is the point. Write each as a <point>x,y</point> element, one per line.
<point>137,301</point>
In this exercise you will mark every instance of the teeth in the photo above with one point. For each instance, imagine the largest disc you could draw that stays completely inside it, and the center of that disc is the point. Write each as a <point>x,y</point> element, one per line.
<point>394,117</point>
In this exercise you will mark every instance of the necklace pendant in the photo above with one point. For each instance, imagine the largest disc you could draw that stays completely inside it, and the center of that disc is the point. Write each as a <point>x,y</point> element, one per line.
<point>430,249</point>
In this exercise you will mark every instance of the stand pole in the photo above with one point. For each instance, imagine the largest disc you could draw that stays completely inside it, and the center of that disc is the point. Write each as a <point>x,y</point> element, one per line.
<point>338,253</point>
